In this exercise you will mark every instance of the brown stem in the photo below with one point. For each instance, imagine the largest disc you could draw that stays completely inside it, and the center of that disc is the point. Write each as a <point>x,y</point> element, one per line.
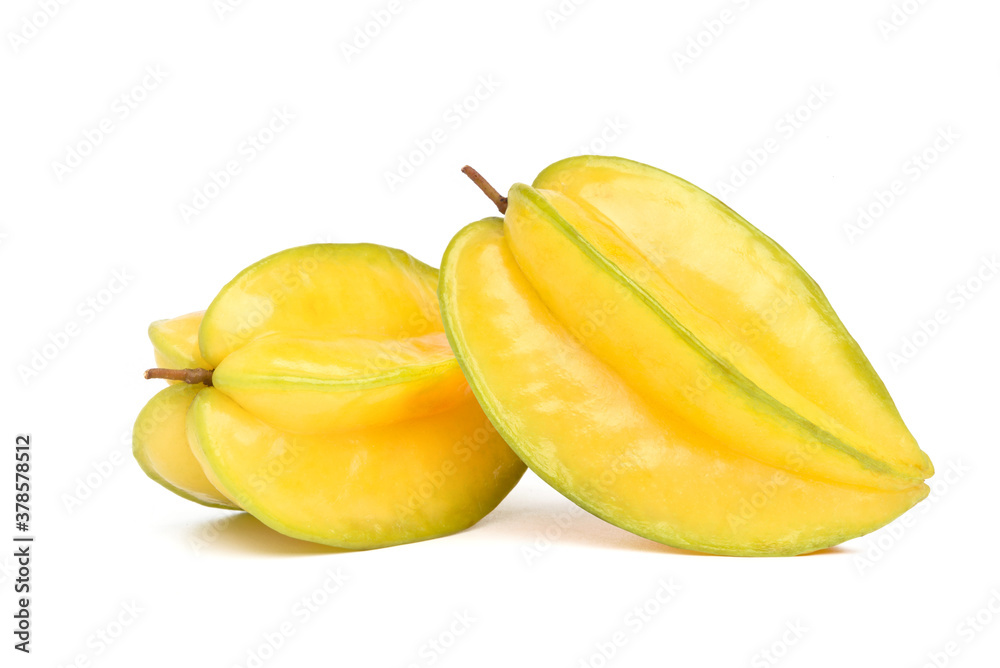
<point>189,376</point>
<point>485,186</point>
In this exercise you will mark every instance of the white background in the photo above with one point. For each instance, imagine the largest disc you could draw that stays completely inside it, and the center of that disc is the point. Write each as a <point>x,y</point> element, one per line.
<point>208,594</point>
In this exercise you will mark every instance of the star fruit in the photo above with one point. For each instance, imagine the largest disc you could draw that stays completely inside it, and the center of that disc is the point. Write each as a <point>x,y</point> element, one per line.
<point>318,392</point>
<point>671,369</point>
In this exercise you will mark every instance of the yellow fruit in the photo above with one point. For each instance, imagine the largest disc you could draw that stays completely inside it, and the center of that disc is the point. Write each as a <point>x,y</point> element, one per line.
<point>671,369</point>
<point>160,445</point>
<point>337,412</point>
<point>323,291</point>
<point>313,386</point>
<point>175,342</point>
<point>411,480</point>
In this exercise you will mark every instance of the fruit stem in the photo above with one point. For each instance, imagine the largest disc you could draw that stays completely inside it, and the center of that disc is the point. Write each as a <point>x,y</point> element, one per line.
<point>485,186</point>
<point>189,376</point>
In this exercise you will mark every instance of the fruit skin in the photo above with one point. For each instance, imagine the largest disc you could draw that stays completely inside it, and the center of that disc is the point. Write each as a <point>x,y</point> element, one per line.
<point>662,359</point>
<point>332,337</point>
<point>160,445</point>
<point>310,386</point>
<point>534,323</point>
<point>742,296</point>
<point>413,480</point>
<point>338,413</point>
<point>324,291</point>
<point>175,342</point>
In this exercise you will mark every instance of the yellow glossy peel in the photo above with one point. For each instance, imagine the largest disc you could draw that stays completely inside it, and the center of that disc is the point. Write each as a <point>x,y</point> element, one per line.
<point>160,445</point>
<point>380,486</point>
<point>739,293</point>
<point>324,291</point>
<point>648,380</point>
<point>337,412</point>
<point>175,342</point>
<point>663,360</point>
<point>314,386</point>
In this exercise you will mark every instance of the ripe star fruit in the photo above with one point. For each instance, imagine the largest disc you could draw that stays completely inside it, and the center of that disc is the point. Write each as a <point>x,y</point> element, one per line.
<point>326,402</point>
<point>159,437</point>
<point>671,369</point>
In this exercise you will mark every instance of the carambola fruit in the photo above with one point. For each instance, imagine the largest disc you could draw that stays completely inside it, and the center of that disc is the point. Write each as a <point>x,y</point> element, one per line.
<point>326,402</point>
<point>160,445</point>
<point>670,368</point>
